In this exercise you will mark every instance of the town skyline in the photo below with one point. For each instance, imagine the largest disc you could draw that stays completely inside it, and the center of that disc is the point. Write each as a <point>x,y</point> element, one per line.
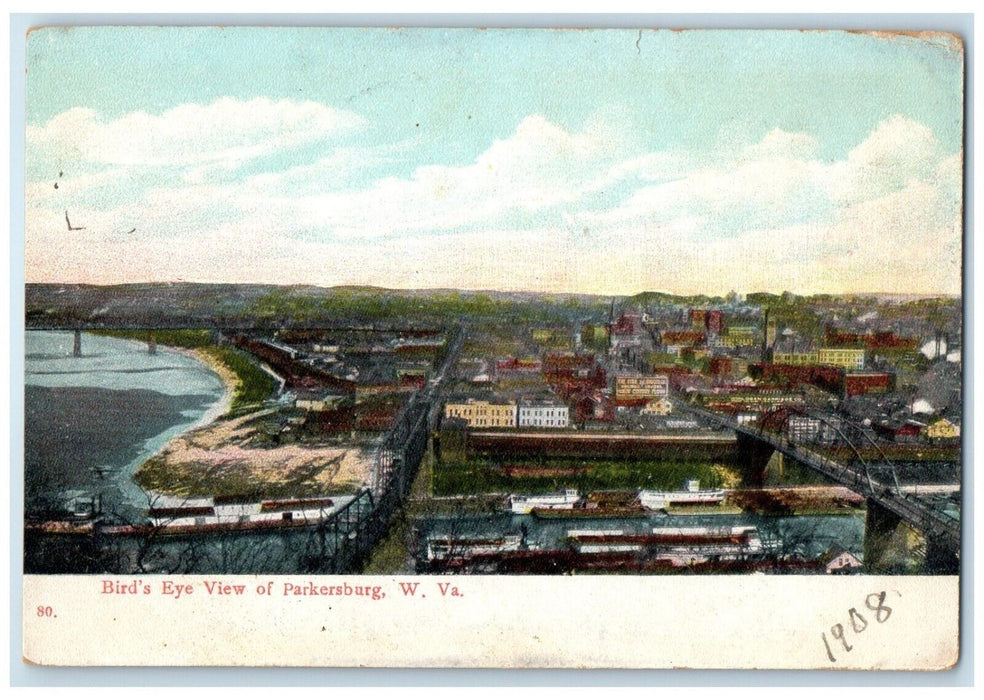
<point>599,162</point>
<point>741,294</point>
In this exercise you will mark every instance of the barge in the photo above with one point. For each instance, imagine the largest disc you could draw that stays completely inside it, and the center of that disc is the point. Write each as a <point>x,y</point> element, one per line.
<point>592,511</point>
<point>445,548</point>
<point>676,546</point>
<point>690,495</point>
<point>524,505</point>
<point>208,515</point>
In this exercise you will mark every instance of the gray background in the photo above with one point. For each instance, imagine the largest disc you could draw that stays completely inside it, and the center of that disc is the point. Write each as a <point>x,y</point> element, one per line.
<point>24,675</point>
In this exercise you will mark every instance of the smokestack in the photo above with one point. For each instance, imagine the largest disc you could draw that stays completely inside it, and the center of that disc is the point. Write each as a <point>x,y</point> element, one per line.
<point>765,336</point>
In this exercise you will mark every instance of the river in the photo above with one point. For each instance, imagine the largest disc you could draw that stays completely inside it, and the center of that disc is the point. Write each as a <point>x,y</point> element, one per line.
<point>806,536</point>
<point>91,421</point>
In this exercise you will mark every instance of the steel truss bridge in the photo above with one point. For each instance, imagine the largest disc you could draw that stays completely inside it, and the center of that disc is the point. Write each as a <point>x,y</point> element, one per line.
<point>876,481</point>
<point>355,529</point>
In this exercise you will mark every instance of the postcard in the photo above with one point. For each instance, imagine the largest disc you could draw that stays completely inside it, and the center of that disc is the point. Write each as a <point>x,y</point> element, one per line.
<point>513,348</point>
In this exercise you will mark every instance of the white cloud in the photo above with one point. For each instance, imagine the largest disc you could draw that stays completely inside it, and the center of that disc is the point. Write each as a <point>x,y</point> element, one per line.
<point>545,208</point>
<point>886,218</point>
<point>326,173</point>
<point>536,168</point>
<point>783,145</point>
<point>227,131</point>
<point>897,151</point>
<point>768,184</point>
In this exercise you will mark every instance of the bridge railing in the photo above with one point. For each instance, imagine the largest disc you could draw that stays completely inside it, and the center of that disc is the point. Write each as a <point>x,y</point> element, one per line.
<point>395,467</point>
<point>931,521</point>
<point>353,531</point>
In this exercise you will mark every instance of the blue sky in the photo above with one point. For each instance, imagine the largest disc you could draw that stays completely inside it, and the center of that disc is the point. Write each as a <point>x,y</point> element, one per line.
<point>606,161</point>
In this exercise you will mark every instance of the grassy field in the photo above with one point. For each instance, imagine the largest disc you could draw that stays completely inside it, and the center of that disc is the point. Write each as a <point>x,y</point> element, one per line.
<point>182,338</point>
<point>475,475</point>
<point>255,385</point>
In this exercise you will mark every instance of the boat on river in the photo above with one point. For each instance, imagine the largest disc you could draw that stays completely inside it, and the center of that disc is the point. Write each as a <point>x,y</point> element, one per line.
<point>600,504</point>
<point>678,546</point>
<point>444,548</point>
<point>524,505</point>
<point>691,494</point>
<point>603,541</point>
<point>208,515</point>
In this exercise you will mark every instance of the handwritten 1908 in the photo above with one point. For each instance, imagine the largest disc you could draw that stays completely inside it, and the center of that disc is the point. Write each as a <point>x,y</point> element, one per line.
<point>875,602</point>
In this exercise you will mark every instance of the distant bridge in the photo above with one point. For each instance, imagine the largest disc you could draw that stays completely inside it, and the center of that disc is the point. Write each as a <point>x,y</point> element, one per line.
<point>217,328</point>
<point>236,325</point>
<point>889,502</point>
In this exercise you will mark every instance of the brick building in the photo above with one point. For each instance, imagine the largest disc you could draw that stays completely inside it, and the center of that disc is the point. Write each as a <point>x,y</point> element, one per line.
<point>715,321</point>
<point>698,318</point>
<point>858,383</point>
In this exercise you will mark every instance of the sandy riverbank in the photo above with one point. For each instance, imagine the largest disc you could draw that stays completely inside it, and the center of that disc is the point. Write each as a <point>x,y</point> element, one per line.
<point>230,382</point>
<point>248,454</point>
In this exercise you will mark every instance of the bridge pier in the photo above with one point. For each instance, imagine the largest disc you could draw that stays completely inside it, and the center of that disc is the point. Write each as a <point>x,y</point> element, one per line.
<point>940,560</point>
<point>893,546</point>
<point>890,543</point>
<point>880,529</point>
<point>753,459</point>
<point>77,345</point>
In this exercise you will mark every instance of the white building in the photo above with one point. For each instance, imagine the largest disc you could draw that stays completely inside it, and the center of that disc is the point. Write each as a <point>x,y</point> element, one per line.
<point>657,407</point>
<point>837,560</point>
<point>315,402</point>
<point>809,429</point>
<point>682,424</point>
<point>543,415</point>
<point>848,358</point>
